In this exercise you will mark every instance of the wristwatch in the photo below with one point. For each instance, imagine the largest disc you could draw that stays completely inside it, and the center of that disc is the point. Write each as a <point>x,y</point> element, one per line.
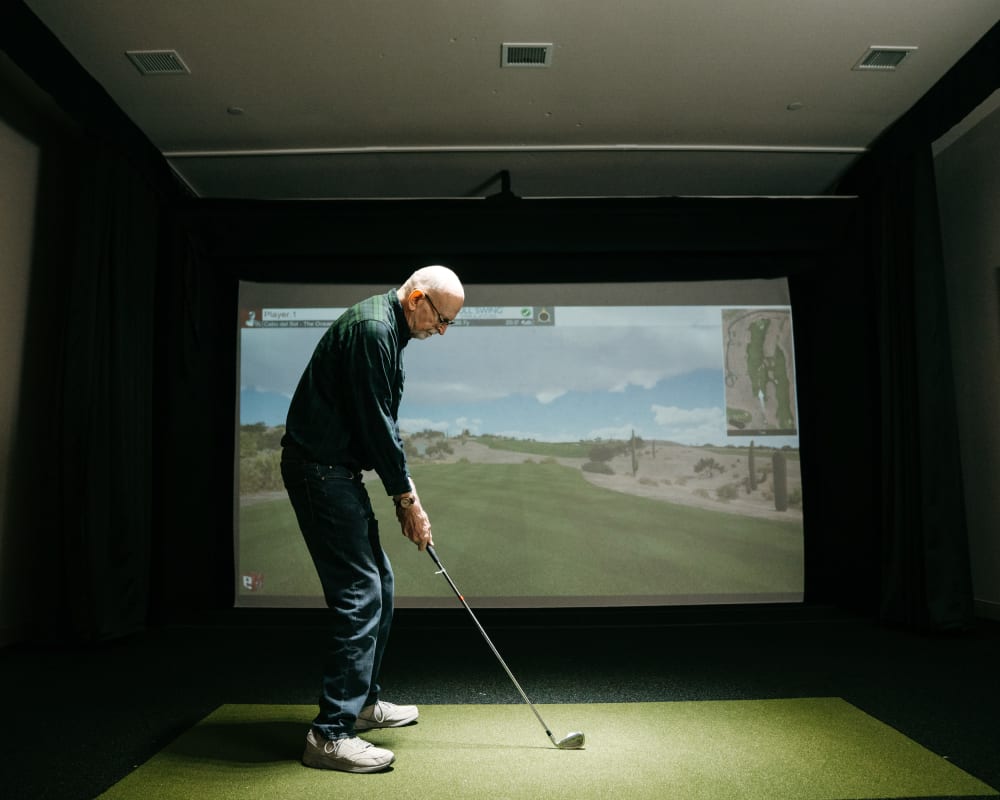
<point>406,501</point>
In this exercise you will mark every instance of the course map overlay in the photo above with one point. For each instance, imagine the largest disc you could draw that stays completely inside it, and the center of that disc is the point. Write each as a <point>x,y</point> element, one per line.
<point>760,372</point>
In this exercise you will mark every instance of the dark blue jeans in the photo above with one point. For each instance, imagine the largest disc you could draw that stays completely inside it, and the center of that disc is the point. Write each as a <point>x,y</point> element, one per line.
<point>335,515</point>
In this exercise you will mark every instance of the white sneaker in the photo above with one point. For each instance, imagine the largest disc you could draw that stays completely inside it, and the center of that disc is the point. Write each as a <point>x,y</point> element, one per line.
<point>347,755</point>
<point>385,715</point>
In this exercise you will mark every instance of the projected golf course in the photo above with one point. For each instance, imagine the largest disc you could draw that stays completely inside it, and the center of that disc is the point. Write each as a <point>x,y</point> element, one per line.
<point>573,445</point>
<point>672,524</point>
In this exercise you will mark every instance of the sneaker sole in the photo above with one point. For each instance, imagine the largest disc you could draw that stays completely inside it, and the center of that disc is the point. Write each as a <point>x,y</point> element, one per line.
<point>321,763</point>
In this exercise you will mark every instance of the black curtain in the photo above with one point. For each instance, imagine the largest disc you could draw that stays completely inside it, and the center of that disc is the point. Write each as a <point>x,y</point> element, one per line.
<point>104,385</point>
<point>95,387</point>
<point>926,580</point>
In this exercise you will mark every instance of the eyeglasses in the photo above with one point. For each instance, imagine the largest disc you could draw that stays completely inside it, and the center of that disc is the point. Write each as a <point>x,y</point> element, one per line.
<point>444,321</point>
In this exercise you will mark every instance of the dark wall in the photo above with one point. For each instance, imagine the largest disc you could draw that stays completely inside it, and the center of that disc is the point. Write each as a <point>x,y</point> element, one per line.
<point>814,242</point>
<point>31,585</point>
<point>834,252</point>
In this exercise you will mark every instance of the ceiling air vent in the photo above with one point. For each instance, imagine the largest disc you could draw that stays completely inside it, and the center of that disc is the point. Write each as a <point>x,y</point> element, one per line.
<point>526,55</point>
<point>157,62</point>
<point>882,58</point>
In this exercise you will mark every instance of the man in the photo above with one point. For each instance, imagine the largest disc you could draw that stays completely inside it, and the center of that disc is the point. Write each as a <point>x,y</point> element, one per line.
<point>343,419</point>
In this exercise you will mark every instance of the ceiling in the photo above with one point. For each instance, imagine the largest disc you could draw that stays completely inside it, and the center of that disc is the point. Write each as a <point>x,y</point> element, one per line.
<point>282,99</point>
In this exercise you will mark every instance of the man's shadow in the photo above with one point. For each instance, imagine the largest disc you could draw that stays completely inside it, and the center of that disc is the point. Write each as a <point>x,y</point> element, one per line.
<point>246,743</point>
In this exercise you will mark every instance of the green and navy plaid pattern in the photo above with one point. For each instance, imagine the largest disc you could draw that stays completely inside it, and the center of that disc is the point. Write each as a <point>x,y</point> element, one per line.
<point>346,406</point>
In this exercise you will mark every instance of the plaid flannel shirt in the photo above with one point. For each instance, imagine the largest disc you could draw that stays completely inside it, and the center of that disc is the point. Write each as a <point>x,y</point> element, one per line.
<point>346,406</point>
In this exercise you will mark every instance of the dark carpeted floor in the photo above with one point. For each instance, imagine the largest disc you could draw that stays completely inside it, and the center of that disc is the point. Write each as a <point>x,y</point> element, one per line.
<point>77,719</point>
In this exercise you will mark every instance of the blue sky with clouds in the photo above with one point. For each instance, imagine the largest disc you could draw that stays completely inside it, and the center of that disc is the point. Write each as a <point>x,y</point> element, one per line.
<point>597,373</point>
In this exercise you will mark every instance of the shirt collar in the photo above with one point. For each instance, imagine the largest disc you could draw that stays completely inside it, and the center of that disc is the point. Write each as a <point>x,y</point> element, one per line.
<point>402,326</point>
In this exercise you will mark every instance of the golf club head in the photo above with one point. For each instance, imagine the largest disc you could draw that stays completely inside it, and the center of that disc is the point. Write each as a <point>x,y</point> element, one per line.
<point>571,741</point>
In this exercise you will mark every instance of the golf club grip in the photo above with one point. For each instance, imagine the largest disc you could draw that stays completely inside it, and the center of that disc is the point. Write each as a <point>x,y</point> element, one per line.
<point>447,577</point>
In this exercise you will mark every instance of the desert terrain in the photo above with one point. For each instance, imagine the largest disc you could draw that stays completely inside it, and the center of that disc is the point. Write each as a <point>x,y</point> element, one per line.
<point>668,474</point>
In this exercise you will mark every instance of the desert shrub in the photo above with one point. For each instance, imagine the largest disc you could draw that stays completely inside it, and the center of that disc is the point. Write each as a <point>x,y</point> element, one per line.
<point>598,467</point>
<point>438,449</point>
<point>605,451</point>
<point>728,491</point>
<point>709,465</point>
<point>258,436</point>
<point>261,472</point>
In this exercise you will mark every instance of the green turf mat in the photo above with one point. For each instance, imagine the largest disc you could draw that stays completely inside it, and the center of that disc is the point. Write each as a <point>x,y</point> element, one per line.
<point>795,749</point>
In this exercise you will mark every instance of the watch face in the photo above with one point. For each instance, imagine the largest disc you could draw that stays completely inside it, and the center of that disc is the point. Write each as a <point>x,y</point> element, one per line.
<point>406,502</point>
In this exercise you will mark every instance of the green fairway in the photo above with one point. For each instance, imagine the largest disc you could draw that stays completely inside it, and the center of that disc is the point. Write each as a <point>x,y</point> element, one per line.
<point>540,529</point>
<point>270,543</point>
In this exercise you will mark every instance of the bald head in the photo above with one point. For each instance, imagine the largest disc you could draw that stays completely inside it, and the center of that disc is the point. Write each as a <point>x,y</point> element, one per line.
<point>431,298</point>
<point>437,280</point>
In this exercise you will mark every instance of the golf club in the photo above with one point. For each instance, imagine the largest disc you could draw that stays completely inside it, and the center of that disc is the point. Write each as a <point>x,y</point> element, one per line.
<point>571,741</point>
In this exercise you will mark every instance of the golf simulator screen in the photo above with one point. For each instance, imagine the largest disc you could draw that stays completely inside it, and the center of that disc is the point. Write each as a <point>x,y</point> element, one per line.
<point>574,445</point>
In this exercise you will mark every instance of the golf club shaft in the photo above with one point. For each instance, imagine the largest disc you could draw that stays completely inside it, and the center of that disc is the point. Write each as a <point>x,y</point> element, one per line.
<point>458,594</point>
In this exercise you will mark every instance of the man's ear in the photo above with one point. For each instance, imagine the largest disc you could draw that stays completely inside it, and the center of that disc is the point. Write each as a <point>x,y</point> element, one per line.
<point>414,296</point>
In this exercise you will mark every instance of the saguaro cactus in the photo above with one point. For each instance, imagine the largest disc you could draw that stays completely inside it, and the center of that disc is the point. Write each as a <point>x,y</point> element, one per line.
<point>635,459</point>
<point>780,478</point>
<point>752,483</point>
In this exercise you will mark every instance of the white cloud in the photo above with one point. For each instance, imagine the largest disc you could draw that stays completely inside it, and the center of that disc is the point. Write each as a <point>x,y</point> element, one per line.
<point>546,396</point>
<point>545,363</point>
<point>411,425</point>
<point>416,424</point>
<point>671,416</point>
<point>646,378</point>
<point>690,425</point>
